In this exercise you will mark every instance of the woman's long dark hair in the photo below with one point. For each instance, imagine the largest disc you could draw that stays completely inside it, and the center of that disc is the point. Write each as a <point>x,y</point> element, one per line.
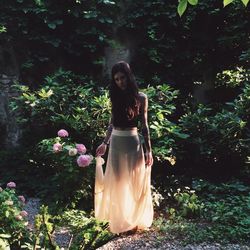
<point>124,100</point>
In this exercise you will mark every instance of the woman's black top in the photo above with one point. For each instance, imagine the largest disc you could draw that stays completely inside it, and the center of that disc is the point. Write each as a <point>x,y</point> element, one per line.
<point>121,120</point>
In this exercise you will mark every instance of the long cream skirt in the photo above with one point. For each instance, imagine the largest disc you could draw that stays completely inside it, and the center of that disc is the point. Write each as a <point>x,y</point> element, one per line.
<point>122,193</point>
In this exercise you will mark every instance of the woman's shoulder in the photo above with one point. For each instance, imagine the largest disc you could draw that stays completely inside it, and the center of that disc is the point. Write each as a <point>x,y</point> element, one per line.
<point>142,95</point>
<point>143,99</point>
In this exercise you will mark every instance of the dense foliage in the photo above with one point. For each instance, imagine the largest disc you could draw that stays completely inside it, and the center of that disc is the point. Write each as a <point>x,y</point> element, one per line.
<point>60,52</point>
<point>207,212</point>
<point>17,233</point>
<point>46,35</point>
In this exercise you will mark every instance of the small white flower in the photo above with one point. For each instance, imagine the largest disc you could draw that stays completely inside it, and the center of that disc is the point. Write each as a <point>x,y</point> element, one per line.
<point>72,152</point>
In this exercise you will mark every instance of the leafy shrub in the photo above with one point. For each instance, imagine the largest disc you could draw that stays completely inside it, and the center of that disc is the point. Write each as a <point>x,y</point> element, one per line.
<point>13,220</point>
<point>241,104</point>
<point>165,135</point>
<point>231,78</point>
<point>176,198</point>
<point>65,100</point>
<point>58,161</point>
<point>14,231</point>
<point>188,202</point>
<point>223,217</point>
<point>88,232</point>
<point>71,101</point>
<point>226,206</point>
<point>216,138</point>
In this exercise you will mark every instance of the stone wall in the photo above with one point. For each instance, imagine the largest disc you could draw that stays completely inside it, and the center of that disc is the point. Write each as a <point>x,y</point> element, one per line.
<point>10,133</point>
<point>9,73</point>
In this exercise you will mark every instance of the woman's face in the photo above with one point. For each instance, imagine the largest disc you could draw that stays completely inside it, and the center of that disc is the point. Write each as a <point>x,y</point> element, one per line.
<point>121,80</point>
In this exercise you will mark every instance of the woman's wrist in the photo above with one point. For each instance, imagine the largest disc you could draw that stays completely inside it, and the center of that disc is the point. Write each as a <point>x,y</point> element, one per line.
<point>105,143</point>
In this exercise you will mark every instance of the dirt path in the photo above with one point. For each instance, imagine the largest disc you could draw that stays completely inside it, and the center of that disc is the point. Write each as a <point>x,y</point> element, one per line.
<point>149,240</point>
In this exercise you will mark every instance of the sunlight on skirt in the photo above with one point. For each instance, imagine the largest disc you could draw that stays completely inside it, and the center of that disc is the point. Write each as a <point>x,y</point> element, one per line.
<point>123,193</point>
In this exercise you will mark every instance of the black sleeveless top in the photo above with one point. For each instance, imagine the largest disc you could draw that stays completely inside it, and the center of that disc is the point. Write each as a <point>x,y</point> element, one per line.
<point>121,120</point>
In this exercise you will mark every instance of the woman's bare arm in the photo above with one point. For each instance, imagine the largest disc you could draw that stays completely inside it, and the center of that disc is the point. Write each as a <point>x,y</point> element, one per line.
<point>103,147</point>
<point>109,131</point>
<point>144,121</point>
<point>145,130</point>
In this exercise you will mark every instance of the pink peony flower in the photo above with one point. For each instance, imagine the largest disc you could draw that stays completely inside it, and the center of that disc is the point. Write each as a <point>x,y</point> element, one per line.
<point>57,147</point>
<point>11,184</point>
<point>72,151</point>
<point>21,198</point>
<point>19,217</point>
<point>84,160</point>
<point>23,213</point>
<point>81,149</point>
<point>9,202</point>
<point>63,133</point>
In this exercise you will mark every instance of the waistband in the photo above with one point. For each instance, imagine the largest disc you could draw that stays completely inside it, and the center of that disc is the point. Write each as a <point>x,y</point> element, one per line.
<point>124,132</point>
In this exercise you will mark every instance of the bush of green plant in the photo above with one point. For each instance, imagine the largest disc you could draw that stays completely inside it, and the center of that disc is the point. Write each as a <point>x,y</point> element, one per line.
<point>15,231</point>
<point>166,135</point>
<point>13,217</point>
<point>65,100</point>
<point>62,170</point>
<point>223,216</point>
<point>219,139</point>
<point>74,102</point>
<point>88,233</point>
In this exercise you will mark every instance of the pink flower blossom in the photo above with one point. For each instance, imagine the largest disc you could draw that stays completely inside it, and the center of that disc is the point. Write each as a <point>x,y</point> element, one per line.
<point>57,147</point>
<point>63,133</point>
<point>23,213</point>
<point>11,184</point>
<point>21,198</point>
<point>19,217</point>
<point>72,151</point>
<point>81,148</point>
<point>84,160</point>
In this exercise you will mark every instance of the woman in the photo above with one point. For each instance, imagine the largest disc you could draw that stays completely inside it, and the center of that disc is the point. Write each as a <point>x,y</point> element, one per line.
<point>122,194</point>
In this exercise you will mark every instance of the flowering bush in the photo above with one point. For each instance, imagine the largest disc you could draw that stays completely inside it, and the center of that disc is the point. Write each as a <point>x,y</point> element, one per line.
<point>13,218</point>
<point>14,233</point>
<point>82,160</point>
<point>63,162</point>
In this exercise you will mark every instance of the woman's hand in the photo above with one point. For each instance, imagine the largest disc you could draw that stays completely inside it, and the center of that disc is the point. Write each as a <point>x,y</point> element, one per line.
<point>101,150</point>
<point>149,159</point>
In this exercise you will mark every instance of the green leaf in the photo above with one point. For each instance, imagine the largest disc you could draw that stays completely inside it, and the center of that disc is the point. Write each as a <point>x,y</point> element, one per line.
<point>42,93</point>
<point>2,29</point>
<point>5,236</point>
<point>226,2</point>
<point>245,2</point>
<point>52,25</point>
<point>193,2</point>
<point>182,7</point>
<point>7,213</point>
<point>4,244</point>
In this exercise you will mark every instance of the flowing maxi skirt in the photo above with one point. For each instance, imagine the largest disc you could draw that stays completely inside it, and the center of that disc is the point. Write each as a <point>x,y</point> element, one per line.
<point>123,193</point>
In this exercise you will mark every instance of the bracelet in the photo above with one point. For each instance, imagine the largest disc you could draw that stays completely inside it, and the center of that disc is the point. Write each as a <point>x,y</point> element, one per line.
<point>106,143</point>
